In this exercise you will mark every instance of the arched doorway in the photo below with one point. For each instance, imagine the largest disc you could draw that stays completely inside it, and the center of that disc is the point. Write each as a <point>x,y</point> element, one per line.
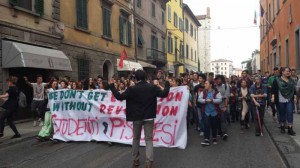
<point>108,70</point>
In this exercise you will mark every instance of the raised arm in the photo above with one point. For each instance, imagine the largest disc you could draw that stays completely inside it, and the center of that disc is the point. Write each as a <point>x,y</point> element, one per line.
<point>163,93</point>
<point>117,94</point>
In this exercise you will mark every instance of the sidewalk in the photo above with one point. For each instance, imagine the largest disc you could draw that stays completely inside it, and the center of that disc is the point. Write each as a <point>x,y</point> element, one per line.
<point>26,130</point>
<point>288,146</point>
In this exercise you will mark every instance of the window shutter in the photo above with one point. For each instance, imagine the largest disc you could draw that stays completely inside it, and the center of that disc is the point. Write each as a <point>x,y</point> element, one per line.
<point>104,21</point>
<point>121,29</point>
<point>84,14</point>
<point>129,33</point>
<point>79,13</point>
<point>39,7</point>
<point>108,23</point>
<point>13,2</point>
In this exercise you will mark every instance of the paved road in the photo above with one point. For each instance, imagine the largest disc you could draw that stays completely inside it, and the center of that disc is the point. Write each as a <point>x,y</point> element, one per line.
<point>242,150</point>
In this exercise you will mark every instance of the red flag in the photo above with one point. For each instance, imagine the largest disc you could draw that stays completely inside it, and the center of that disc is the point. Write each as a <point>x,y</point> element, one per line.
<point>123,56</point>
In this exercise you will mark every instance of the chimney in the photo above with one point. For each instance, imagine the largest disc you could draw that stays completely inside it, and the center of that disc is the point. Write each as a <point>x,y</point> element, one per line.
<point>208,12</point>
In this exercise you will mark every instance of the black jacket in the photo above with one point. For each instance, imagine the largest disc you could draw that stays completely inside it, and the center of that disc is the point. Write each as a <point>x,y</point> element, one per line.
<point>141,100</point>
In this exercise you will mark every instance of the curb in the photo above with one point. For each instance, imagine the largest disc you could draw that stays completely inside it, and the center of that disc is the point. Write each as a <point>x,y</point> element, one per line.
<point>278,149</point>
<point>288,149</point>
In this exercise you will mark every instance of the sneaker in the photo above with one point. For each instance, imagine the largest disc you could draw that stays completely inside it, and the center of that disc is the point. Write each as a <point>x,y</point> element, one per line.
<point>41,124</point>
<point>54,140</point>
<point>41,139</point>
<point>225,137</point>
<point>201,134</point>
<point>215,142</point>
<point>16,136</point>
<point>34,123</point>
<point>257,134</point>
<point>205,142</point>
<point>109,143</point>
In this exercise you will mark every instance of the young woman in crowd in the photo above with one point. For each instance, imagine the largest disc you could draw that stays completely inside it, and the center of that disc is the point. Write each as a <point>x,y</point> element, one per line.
<point>284,95</point>
<point>10,106</point>
<point>244,100</point>
<point>47,130</point>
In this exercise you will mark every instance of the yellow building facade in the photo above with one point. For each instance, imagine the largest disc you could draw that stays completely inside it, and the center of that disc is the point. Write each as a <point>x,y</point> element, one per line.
<point>191,25</point>
<point>174,40</point>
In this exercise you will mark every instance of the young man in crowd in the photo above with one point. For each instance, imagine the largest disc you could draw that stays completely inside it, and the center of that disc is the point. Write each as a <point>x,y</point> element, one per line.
<point>38,102</point>
<point>198,89</point>
<point>224,90</point>
<point>210,98</point>
<point>269,85</point>
<point>258,93</point>
<point>141,105</point>
<point>192,85</point>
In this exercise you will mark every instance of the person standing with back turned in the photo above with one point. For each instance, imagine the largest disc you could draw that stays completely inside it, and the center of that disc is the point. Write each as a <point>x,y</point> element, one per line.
<point>141,104</point>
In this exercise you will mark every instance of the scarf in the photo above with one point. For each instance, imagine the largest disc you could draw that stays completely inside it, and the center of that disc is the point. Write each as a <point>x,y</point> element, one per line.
<point>286,89</point>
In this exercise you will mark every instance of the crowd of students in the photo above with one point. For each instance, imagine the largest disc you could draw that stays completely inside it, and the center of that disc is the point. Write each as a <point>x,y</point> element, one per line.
<point>215,101</point>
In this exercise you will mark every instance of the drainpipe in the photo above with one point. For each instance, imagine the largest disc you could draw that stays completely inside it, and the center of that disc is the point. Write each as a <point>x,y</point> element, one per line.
<point>134,27</point>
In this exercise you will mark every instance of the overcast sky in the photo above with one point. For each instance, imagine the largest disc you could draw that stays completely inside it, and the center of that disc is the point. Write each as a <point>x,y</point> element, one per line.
<point>235,44</point>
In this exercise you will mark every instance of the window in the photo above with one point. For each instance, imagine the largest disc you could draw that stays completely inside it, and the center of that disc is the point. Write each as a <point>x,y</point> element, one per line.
<point>221,63</point>
<point>287,53</point>
<point>176,49</point>
<point>297,46</point>
<point>195,56</point>
<point>106,13</point>
<point>221,68</point>
<point>163,45</point>
<point>212,69</point>
<point>225,68</point>
<point>270,13</point>
<point>278,5</point>
<point>140,37</point>
<point>163,18</point>
<point>186,25</point>
<point>195,34</point>
<point>273,8</point>
<point>225,63</point>
<point>274,59</point>
<point>170,44</point>
<point>181,49</point>
<point>192,30</point>
<point>279,56</point>
<point>192,54</point>
<point>169,13</point>
<point>212,64</point>
<point>36,6</point>
<point>82,14</point>
<point>175,20</point>
<point>139,3</point>
<point>154,42</point>
<point>83,68</point>
<point>187,51</point>
<point>153,10</point>
<point>180,24</point>
<point>180,3</point>
<point>125,30</point>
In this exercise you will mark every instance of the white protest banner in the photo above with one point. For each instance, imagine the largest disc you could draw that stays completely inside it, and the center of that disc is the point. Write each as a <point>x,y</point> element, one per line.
<point>97,115</point>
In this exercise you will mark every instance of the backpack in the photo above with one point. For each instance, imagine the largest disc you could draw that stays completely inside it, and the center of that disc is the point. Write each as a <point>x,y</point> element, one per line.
<point>22,100</point>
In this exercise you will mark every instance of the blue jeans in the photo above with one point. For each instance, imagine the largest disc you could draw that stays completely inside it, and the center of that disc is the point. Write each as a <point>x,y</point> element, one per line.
<point>200,119</point>
<point>210,126</point>
<point>286,112</point>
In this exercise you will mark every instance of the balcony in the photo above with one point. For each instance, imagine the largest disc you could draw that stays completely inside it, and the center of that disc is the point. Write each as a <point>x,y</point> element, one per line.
<point>156,56</point>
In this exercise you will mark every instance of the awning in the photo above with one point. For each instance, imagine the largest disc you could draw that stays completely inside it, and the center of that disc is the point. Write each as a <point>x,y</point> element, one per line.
<point>146,65</point>
<point>16,55</point>
<point>171,69</point>
<point>191,68</point>
<point>128,65</point>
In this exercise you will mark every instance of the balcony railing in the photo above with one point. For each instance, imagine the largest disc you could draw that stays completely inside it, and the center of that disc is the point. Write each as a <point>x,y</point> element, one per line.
<point>155,55</point>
